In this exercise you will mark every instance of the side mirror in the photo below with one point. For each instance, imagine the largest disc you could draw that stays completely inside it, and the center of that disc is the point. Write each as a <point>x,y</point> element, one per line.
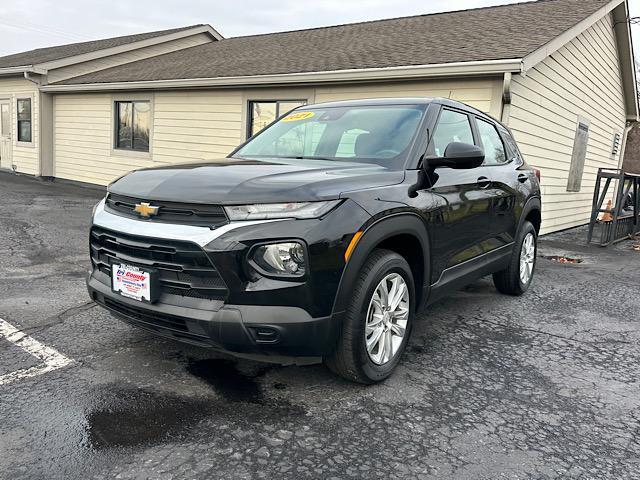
<point>459,156</point>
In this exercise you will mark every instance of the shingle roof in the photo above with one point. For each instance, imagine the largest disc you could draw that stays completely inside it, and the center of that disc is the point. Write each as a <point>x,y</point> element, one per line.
<point>502,32</point>
<point>41,55</point>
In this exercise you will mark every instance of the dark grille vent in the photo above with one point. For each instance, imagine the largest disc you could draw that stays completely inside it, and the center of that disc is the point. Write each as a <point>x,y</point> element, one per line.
<point>155,319</point>
<point>175,326</point>
<point>184,268</point>
<point>169,212</point>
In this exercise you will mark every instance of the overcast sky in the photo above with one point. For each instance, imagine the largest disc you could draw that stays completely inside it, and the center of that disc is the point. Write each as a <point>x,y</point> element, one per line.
<point>29,24</point>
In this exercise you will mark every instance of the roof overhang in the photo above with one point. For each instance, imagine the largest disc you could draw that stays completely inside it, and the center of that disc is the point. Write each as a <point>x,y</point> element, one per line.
<point>622,30</point>
<point>21,70</point>
<point>481,68</point>
<point>149,42</point>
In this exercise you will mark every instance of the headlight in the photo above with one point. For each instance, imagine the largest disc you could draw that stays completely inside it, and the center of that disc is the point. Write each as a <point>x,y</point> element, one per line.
<point>280,259</point>
<point>265,211</point>
<point>95,207</point>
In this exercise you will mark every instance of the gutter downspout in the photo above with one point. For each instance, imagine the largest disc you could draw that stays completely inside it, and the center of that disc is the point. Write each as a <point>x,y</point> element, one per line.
<point>506,98</point>
<point>27,76</point>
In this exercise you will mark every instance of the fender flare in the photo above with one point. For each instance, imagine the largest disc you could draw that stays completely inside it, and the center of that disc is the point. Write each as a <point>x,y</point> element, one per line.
<point>374,234</point>
<point>534,203</point>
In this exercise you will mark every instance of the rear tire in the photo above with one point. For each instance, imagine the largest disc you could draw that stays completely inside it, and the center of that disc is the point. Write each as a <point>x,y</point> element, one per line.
<point>517,277</point>
<point>368,319</point>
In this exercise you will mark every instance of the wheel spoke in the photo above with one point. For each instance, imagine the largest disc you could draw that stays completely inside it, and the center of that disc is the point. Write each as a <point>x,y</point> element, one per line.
<point>375,323</point>
<point>401,313</point>
<point>374,339</point>
<point>384,293</point>
<point>388,353</point>
<point>397,329</point>
<point>397,298</point>
<point>377,302</point>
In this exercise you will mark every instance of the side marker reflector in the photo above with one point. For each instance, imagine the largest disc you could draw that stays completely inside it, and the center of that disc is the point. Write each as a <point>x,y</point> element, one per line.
<point>352,246</point>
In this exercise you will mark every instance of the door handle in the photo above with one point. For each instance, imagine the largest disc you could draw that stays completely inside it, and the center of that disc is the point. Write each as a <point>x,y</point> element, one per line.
<point>522,178</point>
<point>484,182</point>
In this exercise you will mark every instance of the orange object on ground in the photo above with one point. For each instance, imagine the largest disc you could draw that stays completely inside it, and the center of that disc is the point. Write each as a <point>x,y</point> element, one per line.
<point>607,217</point>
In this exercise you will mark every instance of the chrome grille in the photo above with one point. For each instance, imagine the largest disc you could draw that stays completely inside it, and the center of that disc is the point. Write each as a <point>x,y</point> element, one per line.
<point>183,267</point>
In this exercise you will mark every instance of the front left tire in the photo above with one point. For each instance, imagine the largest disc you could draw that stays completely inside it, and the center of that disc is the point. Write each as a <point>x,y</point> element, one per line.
<point>378,320</point>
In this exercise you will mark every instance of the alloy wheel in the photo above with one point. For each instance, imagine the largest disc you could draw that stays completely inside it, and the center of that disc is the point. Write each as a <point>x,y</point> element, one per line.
<point>387,319</point>
<point>527,258</point>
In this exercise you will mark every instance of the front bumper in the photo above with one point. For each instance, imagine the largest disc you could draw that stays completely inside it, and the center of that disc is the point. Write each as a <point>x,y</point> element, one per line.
<point>249,330</point>
<point>246,314</point>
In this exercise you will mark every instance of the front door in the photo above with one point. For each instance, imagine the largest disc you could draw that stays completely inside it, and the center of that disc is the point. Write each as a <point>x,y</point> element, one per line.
<point>458,201</point>
<point>5,134</point>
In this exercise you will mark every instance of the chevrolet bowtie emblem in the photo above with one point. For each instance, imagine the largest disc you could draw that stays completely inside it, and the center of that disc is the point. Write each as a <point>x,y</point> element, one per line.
<point>146,210</point>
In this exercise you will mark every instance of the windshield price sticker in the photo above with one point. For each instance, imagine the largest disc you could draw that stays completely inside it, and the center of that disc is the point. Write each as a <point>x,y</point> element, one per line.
<point>131,282</point>
<point>296,117</point>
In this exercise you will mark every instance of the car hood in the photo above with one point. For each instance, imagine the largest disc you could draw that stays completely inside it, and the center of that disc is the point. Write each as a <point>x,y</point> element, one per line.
<point>234,181</point>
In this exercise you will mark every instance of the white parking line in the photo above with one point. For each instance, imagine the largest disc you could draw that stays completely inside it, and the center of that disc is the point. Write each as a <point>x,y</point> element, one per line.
<point>51,358</point>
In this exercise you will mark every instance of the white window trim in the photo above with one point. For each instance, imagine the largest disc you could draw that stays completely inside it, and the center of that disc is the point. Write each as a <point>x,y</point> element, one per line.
<point>141,97</point>
<point>17,98</point>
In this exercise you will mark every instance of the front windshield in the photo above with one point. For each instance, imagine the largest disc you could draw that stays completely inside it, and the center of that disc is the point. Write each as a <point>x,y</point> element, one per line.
<point>380,135</point>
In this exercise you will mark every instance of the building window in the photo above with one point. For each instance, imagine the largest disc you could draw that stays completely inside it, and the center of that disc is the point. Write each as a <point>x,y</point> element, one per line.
<point>24,120</point>
<point>132,124</point>
<point>578,156</point>
<point>5,127</point>
<point>262,113</point>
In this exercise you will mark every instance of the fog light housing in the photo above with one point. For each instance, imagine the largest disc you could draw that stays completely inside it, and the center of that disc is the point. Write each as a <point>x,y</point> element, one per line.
<point>280,259</point>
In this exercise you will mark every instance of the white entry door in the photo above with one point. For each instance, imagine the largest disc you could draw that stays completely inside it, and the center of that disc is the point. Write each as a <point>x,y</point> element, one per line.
<point>5,134</point>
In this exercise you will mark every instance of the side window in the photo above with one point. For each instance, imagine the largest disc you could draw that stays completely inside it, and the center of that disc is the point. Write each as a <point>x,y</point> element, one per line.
<point>452,127</point>
<point>513,153</point>
<point>494,153</point>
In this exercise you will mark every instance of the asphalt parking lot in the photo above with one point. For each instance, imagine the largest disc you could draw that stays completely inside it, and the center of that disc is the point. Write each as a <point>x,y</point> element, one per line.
<point>544,386</point>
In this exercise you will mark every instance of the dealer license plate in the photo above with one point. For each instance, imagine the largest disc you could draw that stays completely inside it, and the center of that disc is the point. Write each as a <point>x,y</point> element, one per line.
<point>131,282</point>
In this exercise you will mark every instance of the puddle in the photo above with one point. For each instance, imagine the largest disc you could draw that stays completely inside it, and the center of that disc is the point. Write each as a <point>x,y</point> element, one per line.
<point>229,380</point>
<point>128,418</point>
<point>139,417</point>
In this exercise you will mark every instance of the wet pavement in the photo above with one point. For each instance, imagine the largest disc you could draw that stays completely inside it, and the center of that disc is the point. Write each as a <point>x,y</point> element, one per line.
<point>544,386</point>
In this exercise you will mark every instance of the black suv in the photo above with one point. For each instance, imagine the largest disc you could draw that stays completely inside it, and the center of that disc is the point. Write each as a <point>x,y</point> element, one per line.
<point>321,237</point>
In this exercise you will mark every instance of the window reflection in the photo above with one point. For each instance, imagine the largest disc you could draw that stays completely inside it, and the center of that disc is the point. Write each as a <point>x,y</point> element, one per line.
<point>133,122</point>
<point>263,113</point>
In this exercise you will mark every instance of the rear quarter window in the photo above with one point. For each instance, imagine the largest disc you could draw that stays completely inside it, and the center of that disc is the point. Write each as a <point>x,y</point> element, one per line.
<point>513,153</point>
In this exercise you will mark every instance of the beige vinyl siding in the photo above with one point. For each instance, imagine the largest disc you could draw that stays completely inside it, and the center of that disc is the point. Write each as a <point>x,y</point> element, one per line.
<point>196,126</point>
<point>187,127</point>
<point>83,139</point>
<point>204,125</point>
<point>581,79</point>
<point>484,94</point>
<point>24,156</point>
<point>64,73</point>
